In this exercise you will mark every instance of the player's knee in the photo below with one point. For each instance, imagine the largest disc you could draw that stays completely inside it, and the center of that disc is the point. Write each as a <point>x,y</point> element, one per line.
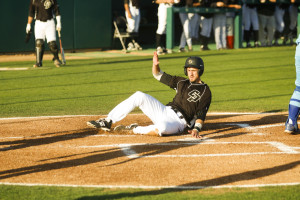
<point>138,98</point>
<point>139,95</point>
<point>39,43</point>
<point>53,46</point>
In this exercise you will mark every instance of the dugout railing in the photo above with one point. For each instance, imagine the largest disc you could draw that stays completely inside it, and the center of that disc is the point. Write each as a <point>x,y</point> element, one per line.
<point>238,40</point>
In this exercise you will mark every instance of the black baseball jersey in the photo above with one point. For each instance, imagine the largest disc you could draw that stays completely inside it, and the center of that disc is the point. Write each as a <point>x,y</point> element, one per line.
<point>135,3</point>
<point>191,99</point>
<point>43,10</point>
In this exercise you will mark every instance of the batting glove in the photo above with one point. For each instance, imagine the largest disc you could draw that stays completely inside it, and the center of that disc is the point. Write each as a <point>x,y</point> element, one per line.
<point>28,28</point>
<point>58,25</point>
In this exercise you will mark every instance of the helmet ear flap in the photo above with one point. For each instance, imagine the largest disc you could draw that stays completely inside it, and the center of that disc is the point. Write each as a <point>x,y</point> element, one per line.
<point>200,72</point>
<point>185,71</point>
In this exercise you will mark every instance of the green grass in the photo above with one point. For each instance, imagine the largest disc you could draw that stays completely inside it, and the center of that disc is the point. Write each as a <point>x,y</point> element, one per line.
<point>244,80</point>
<point>70,193</point>
<point>256,80</point>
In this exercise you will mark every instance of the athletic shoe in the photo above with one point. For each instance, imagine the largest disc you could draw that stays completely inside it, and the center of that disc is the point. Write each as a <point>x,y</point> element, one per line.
<point>137,46</point>
<point>181,50</point>
<point>131,47</point>
<point>204,48</point>
<point>57,63</point>
<point>37,65</point>
<point>100,123</point>
<point>121,128</point>
<point>160,51</point>
<point>290,127</point>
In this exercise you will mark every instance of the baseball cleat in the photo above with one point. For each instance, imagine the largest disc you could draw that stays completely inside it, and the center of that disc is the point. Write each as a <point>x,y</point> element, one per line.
<point>160,51</point>
<point>37,65</point>
<point>137,46</point>
<point>181,50</point>
<point>100,123</point>
<point>57,63</point>
<point>121,128</point>
<point>131,47</point>
<point>290,127</point>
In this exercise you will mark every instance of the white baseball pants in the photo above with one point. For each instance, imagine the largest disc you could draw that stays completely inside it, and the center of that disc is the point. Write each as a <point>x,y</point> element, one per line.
<point>220,30</point>
<point>44,30</point>
<point>162,18</point>
<point>134,22</point>
<point>186,33</point>
<point>165,120</point>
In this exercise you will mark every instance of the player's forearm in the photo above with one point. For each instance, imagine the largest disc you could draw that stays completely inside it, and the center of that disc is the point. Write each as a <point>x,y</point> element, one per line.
<point>155,69</point>
<point>126,6</point>
<point>157,73</point>
<point>30,19</point>
<point>164,1</point>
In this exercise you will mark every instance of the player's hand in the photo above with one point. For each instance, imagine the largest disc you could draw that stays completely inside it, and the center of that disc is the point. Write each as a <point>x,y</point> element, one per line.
<point>220,4</point>
<point>58,23</point>
<point>58,27</point>
<point>28,28</point>
<point>155,59</point>
<point>195,133</point>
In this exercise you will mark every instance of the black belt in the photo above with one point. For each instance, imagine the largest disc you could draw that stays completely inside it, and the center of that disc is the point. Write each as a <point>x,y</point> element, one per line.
<point>179,114</point>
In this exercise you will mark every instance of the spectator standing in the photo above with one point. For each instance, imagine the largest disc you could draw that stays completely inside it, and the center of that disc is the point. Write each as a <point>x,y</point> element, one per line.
<point>219,26</point>
<point>133,17</point>
<point>185,19</point>
<point>279,14</point>
<point>293,13</point>
<point>266,10</point>
<point>250,18</point>
<point>163,5</point>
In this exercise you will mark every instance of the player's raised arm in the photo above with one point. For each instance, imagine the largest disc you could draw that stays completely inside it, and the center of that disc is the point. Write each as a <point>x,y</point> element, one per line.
<point>157,73</point>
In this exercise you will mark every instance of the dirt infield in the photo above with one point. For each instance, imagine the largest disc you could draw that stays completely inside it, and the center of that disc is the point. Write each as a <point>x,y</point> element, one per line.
<point>237,150</point>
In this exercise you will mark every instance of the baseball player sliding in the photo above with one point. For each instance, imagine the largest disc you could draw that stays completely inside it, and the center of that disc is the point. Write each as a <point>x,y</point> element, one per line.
<point>188,108</point>
<point>42,11</point>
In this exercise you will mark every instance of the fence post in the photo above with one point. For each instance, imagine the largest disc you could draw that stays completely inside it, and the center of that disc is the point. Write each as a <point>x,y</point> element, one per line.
<point>170,28</point>
<point>238,40</point>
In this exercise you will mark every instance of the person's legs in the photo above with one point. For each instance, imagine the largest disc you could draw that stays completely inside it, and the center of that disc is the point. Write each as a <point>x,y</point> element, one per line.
<point>164,118</point>
<point>294,105</point>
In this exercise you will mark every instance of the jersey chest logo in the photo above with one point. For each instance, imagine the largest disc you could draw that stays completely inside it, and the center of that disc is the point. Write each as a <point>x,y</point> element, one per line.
<point>194,96</point>
<point>47,4</point>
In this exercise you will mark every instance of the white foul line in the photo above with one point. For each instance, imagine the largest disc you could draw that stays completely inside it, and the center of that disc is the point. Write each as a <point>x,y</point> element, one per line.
<point>130,153</point>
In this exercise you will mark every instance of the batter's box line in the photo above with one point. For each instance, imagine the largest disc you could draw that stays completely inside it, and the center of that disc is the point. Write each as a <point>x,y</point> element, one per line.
<point>130,153</point>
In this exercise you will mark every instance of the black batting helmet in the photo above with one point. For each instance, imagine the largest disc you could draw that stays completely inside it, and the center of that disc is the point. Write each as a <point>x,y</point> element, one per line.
<point>195,62</point>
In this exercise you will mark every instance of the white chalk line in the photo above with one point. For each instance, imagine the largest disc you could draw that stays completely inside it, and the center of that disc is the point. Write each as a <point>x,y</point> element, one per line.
<point>13,69</point>
<point>64,116</point>
<point>186,187</point>
<point>130,153</point>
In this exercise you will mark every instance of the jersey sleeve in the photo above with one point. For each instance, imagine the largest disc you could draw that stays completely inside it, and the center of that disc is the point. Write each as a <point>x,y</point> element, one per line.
<point>170,80</point>
<point>56,9</point>
<point>31,12</point>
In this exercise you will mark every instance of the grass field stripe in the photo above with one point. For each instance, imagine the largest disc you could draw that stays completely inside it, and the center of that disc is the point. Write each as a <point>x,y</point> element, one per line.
<point>152,186</point>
